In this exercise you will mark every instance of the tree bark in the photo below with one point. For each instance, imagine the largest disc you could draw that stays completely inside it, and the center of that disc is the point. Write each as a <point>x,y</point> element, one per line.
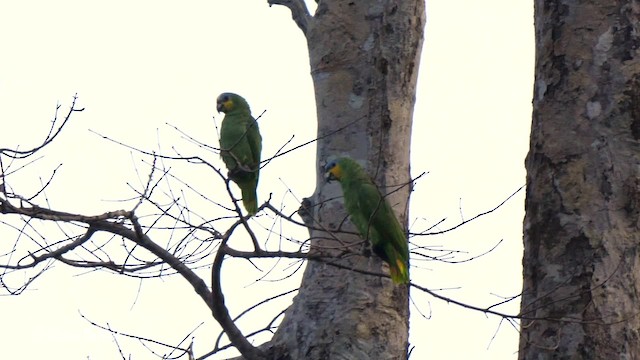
<point>581,229</point>
<point>364,60</point>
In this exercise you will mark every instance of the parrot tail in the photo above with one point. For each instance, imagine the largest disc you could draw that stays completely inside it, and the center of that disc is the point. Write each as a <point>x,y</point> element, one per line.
<point>250,199</point>
<point>399,272</point>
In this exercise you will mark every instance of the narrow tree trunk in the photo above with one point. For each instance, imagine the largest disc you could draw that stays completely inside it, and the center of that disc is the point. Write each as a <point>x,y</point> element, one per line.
<point>364,59</point>
<point>582,229</point>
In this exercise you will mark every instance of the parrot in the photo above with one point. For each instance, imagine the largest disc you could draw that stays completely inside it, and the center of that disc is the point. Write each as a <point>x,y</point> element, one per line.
<point>240,146</point>
<point>371,214</point>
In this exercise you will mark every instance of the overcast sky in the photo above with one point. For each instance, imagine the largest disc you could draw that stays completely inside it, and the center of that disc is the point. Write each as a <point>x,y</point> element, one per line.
<point>140,65</point>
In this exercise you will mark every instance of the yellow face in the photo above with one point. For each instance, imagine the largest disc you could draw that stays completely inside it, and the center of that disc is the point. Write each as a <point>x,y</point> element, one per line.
<point>333,171</point>
<point>224,103</point>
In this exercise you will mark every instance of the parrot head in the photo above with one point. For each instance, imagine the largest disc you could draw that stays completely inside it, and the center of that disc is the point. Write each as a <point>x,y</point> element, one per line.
<point>227,102</point>
<point>333,170</point>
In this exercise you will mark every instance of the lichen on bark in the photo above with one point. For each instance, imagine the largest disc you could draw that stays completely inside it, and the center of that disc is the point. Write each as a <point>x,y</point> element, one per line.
<point>581,232</point>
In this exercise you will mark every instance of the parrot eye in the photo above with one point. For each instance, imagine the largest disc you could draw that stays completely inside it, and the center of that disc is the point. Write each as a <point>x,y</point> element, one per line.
<point>222,98</point>
<point>330,165</point>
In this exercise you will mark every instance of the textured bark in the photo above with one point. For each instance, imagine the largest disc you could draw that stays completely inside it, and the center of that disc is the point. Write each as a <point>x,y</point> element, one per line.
<point>364,59</point>
<point>581,230</point>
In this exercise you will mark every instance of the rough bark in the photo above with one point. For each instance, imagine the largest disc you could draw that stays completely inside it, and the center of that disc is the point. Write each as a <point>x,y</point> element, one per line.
<point>364,60</point>
<point>582,229</point>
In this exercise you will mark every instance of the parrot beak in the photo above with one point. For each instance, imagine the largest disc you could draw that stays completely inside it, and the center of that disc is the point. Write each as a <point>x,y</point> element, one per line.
<point>225,104</point>
<point>332,171</point>
<point>328,177</point>
<point>326,173</point>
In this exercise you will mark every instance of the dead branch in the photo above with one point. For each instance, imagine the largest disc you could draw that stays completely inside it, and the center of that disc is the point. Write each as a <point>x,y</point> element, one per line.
<point>299,12</point>
<point>464,222</point>
<point>221,313</point>
<point>142,339</point>
<point>51,135</point>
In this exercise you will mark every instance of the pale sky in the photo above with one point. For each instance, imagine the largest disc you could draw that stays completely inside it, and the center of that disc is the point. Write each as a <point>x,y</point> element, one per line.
<point>137,66</point>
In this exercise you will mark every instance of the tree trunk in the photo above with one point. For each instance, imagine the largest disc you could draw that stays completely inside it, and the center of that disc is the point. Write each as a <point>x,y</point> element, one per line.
<point>581,229</point>
<point>364,58</point>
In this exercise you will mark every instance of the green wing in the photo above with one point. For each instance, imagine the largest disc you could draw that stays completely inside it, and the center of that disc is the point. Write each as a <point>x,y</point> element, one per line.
<point>371,214</point>
<point>240,147</point>
<point>378,222</point>
<point>240,140</point>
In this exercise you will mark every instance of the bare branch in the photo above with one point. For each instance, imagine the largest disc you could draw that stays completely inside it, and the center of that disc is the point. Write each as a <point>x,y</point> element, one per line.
<point>142,239</point>
<point>140,338</point>
<point>221,313</point>
<point>105,222</point>
<point>217,346</point>
<point>299,12</point>
<point>464,222</point>
<point>522,316</point>
<point>56,254</point>
<point>330,133</point>
<point>53,133</point>
<point>37,212</point>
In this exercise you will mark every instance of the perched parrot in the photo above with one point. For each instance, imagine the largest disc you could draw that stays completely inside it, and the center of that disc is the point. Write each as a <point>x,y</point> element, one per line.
<point>240,146</point>
<point>371,214</point>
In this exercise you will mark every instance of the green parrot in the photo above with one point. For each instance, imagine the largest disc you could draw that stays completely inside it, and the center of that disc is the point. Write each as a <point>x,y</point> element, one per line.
<point>240,147</point>
<point>371,214</point>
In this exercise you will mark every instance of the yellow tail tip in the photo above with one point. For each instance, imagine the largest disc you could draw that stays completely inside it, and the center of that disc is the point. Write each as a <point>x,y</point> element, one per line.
<point>399,272</point>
